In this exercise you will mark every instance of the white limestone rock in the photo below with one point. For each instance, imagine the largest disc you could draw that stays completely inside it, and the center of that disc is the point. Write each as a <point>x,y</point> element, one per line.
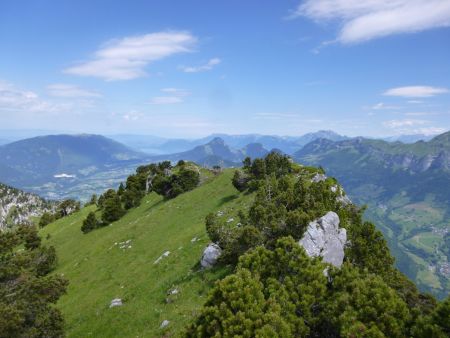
<point>324,238</point>
<point>342,197</point>
<point>164,324</point>
<point>116,302</point>
<point>318,178</point>
<point>210,255</point>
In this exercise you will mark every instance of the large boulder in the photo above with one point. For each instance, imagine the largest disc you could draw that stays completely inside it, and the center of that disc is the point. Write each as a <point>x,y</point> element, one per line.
<point>210,255</point>
<point>324,238</point>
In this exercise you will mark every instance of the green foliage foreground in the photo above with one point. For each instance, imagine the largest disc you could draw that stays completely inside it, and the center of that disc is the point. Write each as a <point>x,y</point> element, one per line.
<point>278,291</point>
<point>27,291</point>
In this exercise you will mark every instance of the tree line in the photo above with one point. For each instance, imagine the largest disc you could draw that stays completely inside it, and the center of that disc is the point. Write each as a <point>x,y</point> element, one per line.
<point>162,178</point>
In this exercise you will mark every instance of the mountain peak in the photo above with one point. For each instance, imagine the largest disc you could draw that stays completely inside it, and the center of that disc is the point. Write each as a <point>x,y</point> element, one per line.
<point>217,141</point>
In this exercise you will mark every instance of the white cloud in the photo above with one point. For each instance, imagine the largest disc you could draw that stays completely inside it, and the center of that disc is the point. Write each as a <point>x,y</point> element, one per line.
<point>404,123</point>
<point>18,100</point>
<point>174,95</point>
<point>132,115</point>
<point>383,106</point>
<point>411,127</point>
<point>420,114</point>
<point>415,91</point>
<point>166,100</point>
<point>127,58</point>
<point>362,20</point>
<point>72,91</point>
<point>176,91</point>
<point>274,116</point>
<point>203,68</point>
<point>430,131</point>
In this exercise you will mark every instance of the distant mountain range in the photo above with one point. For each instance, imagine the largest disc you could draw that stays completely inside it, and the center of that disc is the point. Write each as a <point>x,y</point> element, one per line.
<point>216,152</point>
<point>406,187</point>
<point>75,166</point>
<point>409,138</point>
<point>59,166</point>
<point>287,144</point>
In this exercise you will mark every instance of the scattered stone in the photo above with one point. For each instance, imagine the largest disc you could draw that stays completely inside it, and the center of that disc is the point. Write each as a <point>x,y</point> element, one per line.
<point>116,302</point>
<point>344,200</point>
<point>229,220</point>
<point>173,291</point>
<point>164,324</point>
<point>195,239</point>
<point>324,238</point>
<point>341,198</point>
<point>210,255</point>
<point>318,178</point>
<point>165,254</point>
<point>220,213</point>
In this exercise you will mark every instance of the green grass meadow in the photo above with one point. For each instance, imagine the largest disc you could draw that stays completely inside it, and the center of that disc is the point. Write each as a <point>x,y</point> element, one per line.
<point>99,270</point>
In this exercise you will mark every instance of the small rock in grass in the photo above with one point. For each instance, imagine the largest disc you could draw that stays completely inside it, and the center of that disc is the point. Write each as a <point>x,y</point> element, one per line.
<point>164,324</point>
<point>116,302</point>
<point>165,254</point>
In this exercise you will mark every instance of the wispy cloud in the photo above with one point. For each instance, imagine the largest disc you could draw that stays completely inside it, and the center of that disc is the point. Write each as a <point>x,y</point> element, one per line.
<point>18,100</point>
<point>203,68</point>
<point>132,115</point>
<point>404,123</point>
<point>173,95</point>
<point>383,106</point>
<point>420,114</point>
<point>71,91</point>
<point>275,116</point>
<point>415,91</point>
<point>411,127</point>
<point>127,58</point>
<point>370,19</point>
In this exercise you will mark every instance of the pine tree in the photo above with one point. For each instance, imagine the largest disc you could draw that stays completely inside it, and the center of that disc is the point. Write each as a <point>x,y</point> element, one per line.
<point>90,223</point>
<point>112,210</point>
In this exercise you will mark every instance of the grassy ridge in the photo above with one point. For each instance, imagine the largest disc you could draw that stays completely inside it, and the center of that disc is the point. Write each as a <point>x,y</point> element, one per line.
<point>99,270</point>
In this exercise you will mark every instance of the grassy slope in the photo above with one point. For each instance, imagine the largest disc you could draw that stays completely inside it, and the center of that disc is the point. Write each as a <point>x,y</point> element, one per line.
<point>99,271</point>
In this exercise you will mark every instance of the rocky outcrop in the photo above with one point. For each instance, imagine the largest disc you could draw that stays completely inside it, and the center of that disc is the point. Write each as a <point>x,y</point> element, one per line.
<point>341,196</point>
<point>210,255</point>
<point>17,207</point>
<point>324,238</point>
<point>318,178</point>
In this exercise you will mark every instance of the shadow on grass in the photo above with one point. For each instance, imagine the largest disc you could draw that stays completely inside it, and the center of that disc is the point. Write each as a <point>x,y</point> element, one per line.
<point>206,277</point>
<point>154,205</point>
<point>227,199</point>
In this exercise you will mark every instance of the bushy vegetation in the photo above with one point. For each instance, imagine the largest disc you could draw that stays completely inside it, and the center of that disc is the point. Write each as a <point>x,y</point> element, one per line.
<point>63,209</point>
<point>278,291</point>
<point>27,291</point>
<point>161,178</point>
<point>285,202</point>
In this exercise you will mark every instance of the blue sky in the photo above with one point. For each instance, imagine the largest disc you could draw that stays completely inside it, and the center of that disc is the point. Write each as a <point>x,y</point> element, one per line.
<point>191,68</point>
